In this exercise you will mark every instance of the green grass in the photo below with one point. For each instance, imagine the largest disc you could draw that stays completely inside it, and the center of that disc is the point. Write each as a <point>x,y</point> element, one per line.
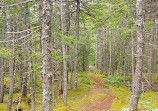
<point>148,100</point>
<point>85,84</point>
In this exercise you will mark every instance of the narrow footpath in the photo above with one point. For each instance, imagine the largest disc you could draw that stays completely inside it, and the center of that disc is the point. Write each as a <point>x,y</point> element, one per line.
<point>103,105</point>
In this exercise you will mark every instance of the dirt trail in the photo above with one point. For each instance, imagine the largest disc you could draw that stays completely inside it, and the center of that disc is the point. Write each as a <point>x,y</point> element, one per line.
<point>103,105</point>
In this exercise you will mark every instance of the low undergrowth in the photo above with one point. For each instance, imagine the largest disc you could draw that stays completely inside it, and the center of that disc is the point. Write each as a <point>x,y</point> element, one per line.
<point>96,75</point>
<point>148,100</point>
<point>122,99</point>
<point>75,101</point>
<point>77,105</point>
<point>115,80</point>
<point>85,84</point>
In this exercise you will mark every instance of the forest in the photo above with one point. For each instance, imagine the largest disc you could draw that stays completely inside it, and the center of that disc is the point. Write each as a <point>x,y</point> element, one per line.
<point>78,55</point>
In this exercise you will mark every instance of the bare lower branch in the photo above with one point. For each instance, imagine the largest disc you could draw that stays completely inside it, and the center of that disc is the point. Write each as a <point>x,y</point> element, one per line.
<point>15,40</point>
<point>21,3</point>
<point>23,30</point>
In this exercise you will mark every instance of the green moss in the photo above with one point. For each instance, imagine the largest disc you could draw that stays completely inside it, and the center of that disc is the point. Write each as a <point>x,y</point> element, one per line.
<point>3,107</point>
<point>98,96</point>
<point>76,105</point>
<point>85,84</point>
<point>24,105</point>
<point>95,75</point>
<point>6,81</point>
<point>66,108</point>
<point>149,101</point>
<point>155,80</point>
<point>122,99</point>
<point>76,99</point>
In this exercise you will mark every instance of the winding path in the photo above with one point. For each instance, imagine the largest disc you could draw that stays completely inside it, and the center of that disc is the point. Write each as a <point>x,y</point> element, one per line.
<point>103,105</point>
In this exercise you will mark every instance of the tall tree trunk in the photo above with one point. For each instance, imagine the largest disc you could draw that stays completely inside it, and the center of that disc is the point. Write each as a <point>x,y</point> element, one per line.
<point>31,78</point>
<point>125,64</point>
<point>19,17</point>
<point>25,20</point>
<point>110,61</point>
<point>96,53</point>
<point>10,59</point>
<point>136,88</point>
<point>132,40</point>
<point>68,33</point>
<point>76,47</point>
<point>64,54</point>
<point>106,53</point>
<point>47,56</point>
<point>101,51</point>
<point>119,63</point>
<point>2,58</point>
<point>152,10</point>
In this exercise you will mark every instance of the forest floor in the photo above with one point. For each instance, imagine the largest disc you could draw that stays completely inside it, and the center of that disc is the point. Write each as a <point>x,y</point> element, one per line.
<point>95,92</point>
<point>99,105</point>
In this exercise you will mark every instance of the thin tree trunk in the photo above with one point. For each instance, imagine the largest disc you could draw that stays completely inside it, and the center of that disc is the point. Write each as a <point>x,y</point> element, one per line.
<point>152,10</point>
<point>101,52</point>
<point>119,62</point>
<point>10,59</point>
<point>106,52</point>
<point>31,78</point>
<point>68,33</point>
<point>110,61</point>
<point>125,64</point>
<point>71,70</point>
<point>132,42</point>
<point>2,75</point>
<point>136,88</point>
<point>96,53</point>
<point>25,69</point>
<point>64,54</point>
<point>47,56</point>
<point>20,67</point>
<point>32,88</point>
<point>76,47</point>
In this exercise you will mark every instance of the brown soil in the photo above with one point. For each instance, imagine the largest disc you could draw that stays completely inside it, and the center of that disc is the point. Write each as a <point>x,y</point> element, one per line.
<point>103,105</point>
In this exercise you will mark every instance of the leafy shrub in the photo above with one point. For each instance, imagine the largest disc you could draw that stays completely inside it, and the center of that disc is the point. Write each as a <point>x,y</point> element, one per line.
<point>113,80</point>
<point>83,78</point>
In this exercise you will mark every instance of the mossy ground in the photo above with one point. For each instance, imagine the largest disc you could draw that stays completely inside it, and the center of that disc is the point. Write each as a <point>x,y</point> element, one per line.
<point>85,84</point>
<point>148,100</point>
<point>77,99</point>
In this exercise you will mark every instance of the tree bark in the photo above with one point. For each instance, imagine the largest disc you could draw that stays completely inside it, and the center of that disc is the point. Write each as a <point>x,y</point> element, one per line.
<point>47,56</point>
<point>2,58</point>
<point>110,61</point>
<point>101,46</point>
<point>25,17</point>
<point>64,54</point>
<point>119,63</point>
<point>68,33</point>
<point>10,59</point>
<point>96,53</point>
<point>76,47</point>
<point>152,10</point>
<point>136,88</point>
<point>132,41</point>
